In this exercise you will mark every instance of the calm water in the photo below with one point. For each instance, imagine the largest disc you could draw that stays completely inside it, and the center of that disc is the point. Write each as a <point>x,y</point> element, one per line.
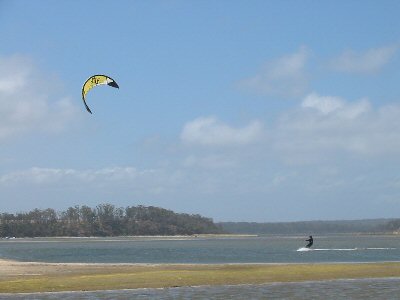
<point>336,289</point>
<point>204,250</point>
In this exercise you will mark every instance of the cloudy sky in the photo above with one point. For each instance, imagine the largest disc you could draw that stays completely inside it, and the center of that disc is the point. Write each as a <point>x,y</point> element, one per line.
<point>236,110</point>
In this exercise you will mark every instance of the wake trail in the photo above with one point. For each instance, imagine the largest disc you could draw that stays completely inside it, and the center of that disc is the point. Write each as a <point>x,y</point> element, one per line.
<point>303,249</point>
<point>330,249</point>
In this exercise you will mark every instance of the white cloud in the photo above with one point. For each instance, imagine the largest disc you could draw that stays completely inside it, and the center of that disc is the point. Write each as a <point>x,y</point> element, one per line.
<point>324,104</point>
<point>329,104</point>
<point>210,161</point>
<point>105,181</point>
<point>368,62</point>
<point>209,131</point>
<point>37,175</point>
<point>321,128</point>
<point>15,71</point>
<point>325,128</point>
<point>27,103</point>
<point>285,76</point>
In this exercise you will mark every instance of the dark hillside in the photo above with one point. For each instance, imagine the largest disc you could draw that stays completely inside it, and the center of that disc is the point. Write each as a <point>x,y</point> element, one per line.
<point>312,227</point>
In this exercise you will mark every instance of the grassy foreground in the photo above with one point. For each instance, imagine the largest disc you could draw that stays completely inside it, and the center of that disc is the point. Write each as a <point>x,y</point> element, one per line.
<point>42,277</point>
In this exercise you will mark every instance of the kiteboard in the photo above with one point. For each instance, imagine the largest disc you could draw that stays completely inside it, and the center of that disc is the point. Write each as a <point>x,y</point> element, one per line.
<point>304,249</point>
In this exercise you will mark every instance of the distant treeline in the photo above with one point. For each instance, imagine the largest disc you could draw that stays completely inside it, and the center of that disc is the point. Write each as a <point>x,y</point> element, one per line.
<point>314,227</point>
<point>393,226</point>
<point>104,220</point>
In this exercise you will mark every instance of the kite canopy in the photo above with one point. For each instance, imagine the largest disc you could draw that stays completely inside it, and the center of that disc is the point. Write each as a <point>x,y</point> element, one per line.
<point>93,81</point>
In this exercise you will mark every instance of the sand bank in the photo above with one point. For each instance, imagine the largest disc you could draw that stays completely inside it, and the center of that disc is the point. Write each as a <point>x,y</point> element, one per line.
<point>41,277</point>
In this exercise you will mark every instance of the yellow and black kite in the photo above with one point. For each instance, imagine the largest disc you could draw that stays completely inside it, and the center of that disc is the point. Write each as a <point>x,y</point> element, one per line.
<point>94,81</point>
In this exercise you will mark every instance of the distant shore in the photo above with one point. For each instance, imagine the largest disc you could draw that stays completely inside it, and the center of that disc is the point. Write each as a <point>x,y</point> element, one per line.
<point>28,277</point>
<point>204,235</point>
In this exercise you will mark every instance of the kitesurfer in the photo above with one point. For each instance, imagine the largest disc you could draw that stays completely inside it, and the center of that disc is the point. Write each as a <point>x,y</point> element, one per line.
<point>310,242</point>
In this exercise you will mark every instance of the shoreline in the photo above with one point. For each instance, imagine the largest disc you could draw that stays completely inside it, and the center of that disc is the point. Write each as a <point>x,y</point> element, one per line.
<point>126,238</point>
<point>138,236</point>
<point>7,261</point>
<point>32,277</point>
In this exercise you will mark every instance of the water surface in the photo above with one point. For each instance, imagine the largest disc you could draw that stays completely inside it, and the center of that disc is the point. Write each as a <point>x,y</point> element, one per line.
<point>349,248</point>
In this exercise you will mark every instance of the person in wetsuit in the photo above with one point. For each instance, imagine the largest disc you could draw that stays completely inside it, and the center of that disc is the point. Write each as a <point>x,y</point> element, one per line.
<point>310,242</point>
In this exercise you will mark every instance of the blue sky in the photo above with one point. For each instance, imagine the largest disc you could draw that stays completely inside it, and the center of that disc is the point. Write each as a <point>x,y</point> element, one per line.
<point>236,110</point>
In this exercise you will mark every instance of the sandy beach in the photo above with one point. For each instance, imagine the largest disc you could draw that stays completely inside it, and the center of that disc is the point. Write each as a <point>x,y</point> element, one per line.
<point>18,276</point>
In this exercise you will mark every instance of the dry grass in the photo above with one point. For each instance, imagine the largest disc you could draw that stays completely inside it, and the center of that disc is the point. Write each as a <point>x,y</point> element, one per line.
<point>40,277</point>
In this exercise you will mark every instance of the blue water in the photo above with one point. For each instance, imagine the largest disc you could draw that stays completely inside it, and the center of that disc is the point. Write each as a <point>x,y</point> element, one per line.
<point>335,289</point>
<point>346,248</point>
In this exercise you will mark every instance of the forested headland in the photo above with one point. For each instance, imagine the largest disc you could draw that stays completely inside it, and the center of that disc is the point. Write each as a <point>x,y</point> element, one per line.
<point>104,220</point>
